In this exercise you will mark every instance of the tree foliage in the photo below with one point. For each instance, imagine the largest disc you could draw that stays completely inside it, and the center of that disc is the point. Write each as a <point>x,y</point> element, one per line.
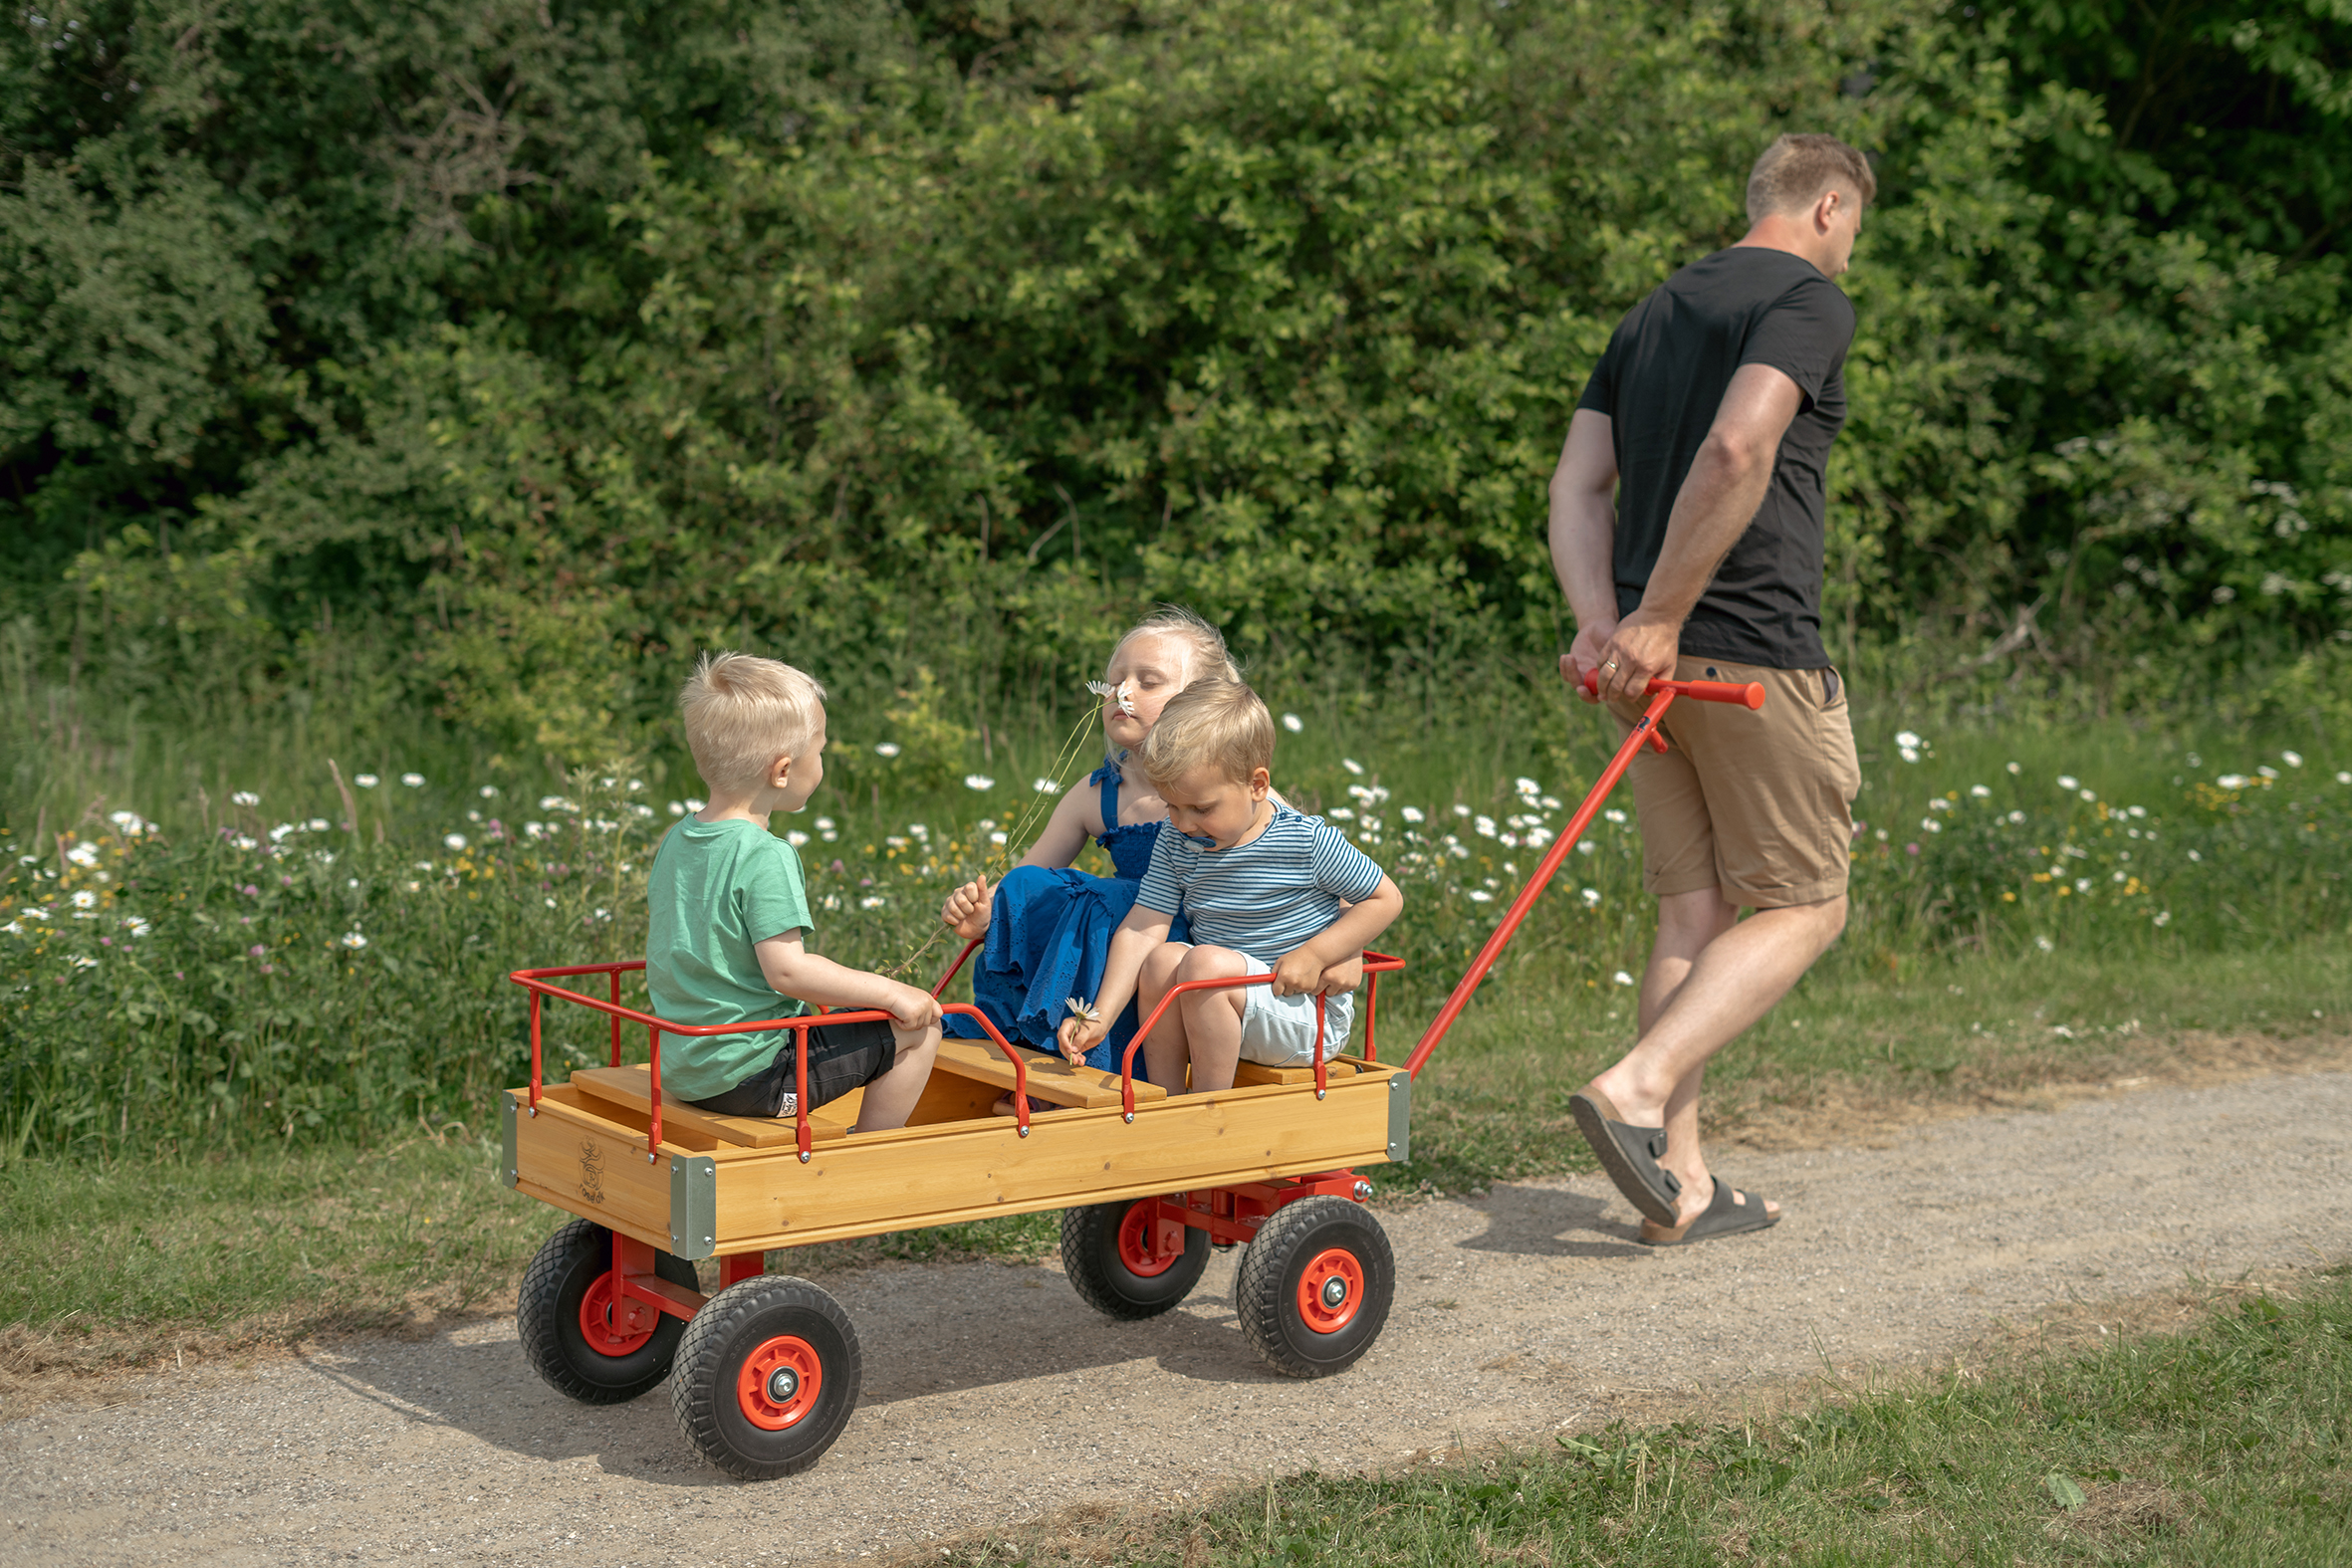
<point>537,344</point>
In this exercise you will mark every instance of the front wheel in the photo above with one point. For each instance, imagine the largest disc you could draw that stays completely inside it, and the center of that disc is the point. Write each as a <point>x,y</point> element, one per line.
<point>1107,1251</point>
<point>1315,1286</point>
<point>767,1377</point>
<point>565,1316</point>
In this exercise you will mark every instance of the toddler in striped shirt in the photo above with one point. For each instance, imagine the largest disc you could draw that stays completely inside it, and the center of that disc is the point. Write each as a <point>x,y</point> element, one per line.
<point>1267,889</point>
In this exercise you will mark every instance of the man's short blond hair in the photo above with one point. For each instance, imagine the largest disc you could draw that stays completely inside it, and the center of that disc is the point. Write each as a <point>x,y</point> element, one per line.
<point>1216,722</point>
<point>744,712</point>
<point>1796,170</point>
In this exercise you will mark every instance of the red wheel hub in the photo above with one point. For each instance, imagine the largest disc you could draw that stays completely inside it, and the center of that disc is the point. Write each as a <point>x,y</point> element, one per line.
<point>1137,1233</point>
<point>1330,1289</point>
<point>614,1328</point>
<point>778,1382</point>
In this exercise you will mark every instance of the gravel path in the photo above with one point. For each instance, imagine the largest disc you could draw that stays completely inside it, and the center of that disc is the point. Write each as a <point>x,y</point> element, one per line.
<point>992,1393</point>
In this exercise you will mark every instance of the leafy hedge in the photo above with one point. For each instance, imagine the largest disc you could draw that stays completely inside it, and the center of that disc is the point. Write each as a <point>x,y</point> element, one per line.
<point>526,345</point>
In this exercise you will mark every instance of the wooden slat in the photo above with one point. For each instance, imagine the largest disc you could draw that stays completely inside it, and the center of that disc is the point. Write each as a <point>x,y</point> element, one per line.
<point>1254,1072</point>
<point>631,1087</point>
<point>1051,1079</point>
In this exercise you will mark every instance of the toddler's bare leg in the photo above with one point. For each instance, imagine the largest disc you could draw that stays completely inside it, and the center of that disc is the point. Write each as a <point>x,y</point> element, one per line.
<point>1163,1048</point>
<point>1212,1019</point>
<point>890,1099</point>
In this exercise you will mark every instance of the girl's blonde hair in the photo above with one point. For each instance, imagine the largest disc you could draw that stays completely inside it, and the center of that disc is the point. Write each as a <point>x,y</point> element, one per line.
<point>744,712</point>
<point>1209,655</point>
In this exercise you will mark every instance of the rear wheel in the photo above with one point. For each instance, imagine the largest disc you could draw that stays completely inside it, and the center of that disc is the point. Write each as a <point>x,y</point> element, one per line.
<point>1107,1251</point>
<point>571,1331</point>
<point>1315,1286</point>
<point>768,1375</point>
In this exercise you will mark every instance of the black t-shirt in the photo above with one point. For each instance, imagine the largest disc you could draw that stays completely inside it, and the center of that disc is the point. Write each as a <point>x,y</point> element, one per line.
<point>1664,375</point>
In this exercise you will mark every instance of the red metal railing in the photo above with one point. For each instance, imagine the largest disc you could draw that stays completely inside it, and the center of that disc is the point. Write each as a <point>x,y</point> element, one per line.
<point>537,981</point>
<point>1375,964</point>
<point>1643,733</point>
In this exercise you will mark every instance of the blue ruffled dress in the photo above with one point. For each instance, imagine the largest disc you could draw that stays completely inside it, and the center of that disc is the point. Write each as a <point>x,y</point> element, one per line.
<point>1049,936</point>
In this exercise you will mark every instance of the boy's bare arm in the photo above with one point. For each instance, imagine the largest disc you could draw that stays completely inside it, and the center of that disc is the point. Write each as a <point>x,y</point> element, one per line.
<point>794,970</point>
<point>1303,969</point>
<point>1142,929</point>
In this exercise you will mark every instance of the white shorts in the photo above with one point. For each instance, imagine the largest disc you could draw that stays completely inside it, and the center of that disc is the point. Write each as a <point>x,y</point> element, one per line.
<point>1278,1032</point>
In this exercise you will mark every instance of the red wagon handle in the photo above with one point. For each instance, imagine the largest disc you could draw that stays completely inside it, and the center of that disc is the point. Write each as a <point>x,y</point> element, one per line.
<point>1747,694</point>
<point>537,981</point>
<point>1643,733</point>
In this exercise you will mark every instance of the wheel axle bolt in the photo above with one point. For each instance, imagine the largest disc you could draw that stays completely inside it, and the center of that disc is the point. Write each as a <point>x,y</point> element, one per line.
<point>1334,1292</point>
<point>783,1384</point>
<point>1364,1191</point>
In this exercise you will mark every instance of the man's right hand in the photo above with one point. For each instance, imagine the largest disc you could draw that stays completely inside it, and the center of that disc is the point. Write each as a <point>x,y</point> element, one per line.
<point>966,909</point>
<point>1584,654</point>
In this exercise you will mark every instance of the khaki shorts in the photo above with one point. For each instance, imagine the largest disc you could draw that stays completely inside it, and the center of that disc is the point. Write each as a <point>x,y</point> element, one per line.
<point>1759,804</point>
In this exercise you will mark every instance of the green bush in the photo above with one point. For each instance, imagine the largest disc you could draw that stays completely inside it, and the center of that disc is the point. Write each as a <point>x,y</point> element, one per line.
<point>514,352</point>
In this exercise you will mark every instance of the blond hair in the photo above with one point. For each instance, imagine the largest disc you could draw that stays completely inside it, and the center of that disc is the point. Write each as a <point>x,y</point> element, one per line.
<point>1209,654</point>
<point>1795,171</point>
<point>1216,722</point>
<point>743,712</point>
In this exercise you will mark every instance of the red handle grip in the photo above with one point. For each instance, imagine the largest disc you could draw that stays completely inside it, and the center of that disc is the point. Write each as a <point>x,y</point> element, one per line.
<point>1750,695</point>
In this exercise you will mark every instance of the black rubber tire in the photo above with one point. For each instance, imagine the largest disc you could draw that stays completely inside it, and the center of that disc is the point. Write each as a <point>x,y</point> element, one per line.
<point>732,1324</point>
<point>1090,1256</point>
<point>1267,1293</point>
<point>547,1314</point>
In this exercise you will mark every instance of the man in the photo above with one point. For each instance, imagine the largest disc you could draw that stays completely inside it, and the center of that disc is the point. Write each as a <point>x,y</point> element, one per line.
<point>1708,421</point>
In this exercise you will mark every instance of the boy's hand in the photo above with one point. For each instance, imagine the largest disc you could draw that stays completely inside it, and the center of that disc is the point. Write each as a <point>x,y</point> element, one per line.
<point>966,909</point>
<point>912,1007</point>
<point>1300,974</point>
<point>1076,1036</point>
<point>1347,975</point>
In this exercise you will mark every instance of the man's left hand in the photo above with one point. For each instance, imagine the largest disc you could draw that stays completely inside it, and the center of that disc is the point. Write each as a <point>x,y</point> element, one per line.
<point>1642,650</point>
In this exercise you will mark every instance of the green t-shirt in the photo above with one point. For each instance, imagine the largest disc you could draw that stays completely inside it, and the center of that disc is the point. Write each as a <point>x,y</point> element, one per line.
<point>716,890</point>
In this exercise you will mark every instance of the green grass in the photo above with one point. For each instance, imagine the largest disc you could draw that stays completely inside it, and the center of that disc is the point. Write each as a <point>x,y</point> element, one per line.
<point>108,1261</point>
<point>1952,1030</point>
<point>2231,1444</point>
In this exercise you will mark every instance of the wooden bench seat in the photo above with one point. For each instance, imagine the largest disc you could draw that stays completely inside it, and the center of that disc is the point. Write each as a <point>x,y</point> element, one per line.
<point>1051,1079</point>
<point>1247,1073</point>
<point>631,1087</point>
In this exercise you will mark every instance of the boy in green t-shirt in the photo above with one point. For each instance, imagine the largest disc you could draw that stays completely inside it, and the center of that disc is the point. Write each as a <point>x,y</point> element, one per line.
<point>728,911</point>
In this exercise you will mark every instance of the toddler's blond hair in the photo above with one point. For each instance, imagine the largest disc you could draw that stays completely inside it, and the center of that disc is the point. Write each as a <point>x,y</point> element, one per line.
<point>743,712</point>
<point>1216,722</point>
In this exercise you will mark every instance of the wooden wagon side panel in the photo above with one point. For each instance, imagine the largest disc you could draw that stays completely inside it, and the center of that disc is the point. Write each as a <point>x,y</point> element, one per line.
<point>944,1175</point>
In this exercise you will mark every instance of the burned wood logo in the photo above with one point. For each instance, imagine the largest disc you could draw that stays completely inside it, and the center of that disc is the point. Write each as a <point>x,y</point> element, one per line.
<point>591,1170</point>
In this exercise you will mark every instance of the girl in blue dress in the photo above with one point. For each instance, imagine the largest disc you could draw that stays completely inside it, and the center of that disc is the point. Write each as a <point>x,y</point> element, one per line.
<point>1047,925</point>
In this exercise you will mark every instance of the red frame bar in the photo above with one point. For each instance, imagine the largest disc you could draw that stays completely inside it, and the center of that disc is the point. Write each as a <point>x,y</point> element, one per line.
<point>1375,964</point>
<point>536,981</point>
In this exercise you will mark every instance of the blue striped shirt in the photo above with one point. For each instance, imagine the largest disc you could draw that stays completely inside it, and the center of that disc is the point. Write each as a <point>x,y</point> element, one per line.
<point>1265,897</point>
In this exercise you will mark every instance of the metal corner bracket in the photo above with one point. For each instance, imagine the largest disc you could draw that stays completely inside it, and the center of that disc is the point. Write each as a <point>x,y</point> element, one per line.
<point>694,1206</point>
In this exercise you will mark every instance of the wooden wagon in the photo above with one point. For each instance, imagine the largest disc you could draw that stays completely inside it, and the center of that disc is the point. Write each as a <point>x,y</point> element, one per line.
<point>764,1372</point>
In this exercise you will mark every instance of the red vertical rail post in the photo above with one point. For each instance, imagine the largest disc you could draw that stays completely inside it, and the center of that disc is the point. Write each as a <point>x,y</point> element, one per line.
<point>535,1054</point>
<point>617,1019</point>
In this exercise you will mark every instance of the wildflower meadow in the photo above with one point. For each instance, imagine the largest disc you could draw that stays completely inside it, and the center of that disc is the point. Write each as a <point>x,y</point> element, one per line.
<point>281,971</point>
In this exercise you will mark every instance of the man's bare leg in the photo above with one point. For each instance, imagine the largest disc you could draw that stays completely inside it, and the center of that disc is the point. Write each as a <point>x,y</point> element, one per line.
<point>1710,975</point>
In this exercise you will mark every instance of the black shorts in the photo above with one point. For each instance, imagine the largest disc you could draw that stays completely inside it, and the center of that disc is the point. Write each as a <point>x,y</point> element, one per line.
<point>841,1057</point>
